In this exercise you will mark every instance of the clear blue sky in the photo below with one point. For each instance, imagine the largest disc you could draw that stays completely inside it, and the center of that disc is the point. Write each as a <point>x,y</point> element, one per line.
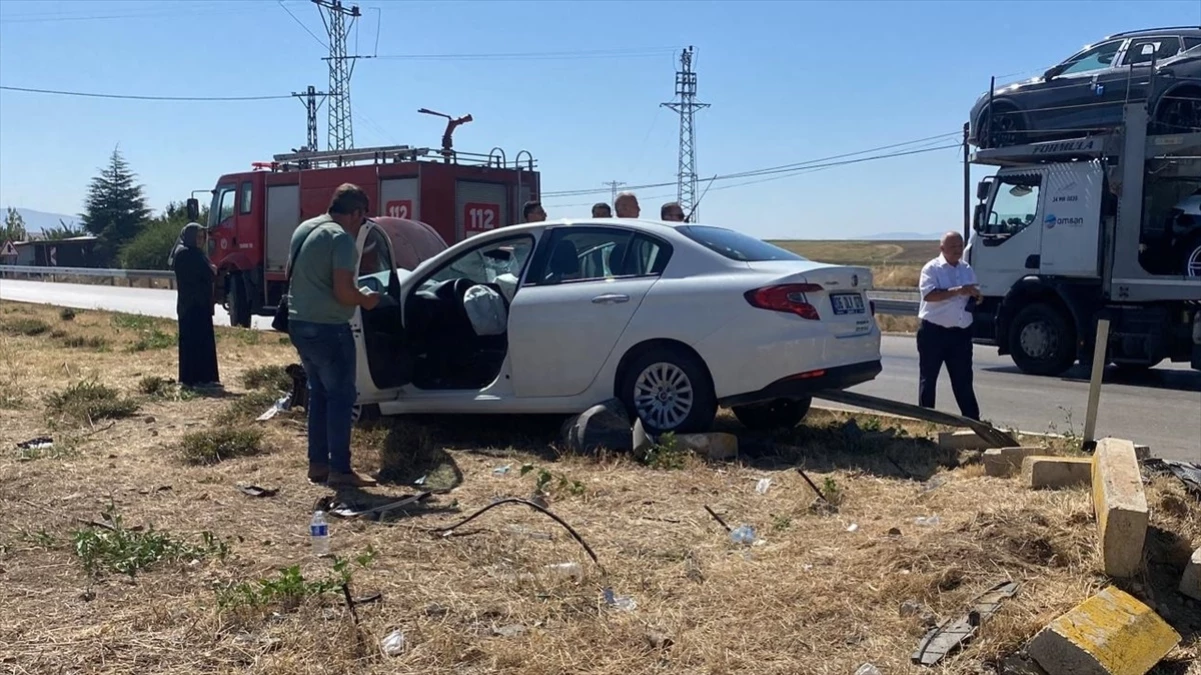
<point>788,81</point>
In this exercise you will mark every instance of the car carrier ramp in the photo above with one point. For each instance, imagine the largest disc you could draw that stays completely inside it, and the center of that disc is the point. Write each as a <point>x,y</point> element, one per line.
<point>991,435</point>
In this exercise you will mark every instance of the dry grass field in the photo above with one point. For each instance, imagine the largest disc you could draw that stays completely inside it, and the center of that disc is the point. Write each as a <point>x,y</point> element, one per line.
<point>127,547</point>
<point>895,264</point>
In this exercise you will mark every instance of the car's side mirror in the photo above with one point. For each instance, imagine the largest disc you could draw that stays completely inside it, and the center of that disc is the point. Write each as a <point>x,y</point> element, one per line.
<point>193,208</point>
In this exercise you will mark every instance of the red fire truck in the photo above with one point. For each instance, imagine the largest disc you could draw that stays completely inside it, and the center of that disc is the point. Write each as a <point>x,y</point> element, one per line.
<point>254,214</point>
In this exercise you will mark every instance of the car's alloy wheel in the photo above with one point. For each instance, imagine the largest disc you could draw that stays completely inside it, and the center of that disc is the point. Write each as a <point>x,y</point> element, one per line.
<point>669,389</point>
<point>663,395</point>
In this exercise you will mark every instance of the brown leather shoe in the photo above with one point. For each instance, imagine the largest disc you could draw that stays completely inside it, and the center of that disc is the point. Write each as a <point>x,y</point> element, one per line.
<point>318,473</point>
<point>351,479</point>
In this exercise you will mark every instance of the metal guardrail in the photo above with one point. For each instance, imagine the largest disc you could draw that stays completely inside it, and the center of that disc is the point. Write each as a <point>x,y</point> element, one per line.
<point>38,271</point>
<point>891,301</point>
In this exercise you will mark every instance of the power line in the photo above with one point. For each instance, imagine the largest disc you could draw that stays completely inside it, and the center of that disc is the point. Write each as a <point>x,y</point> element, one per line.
<point>535,56</point>
<point>773,173</point>
<point>766,170</point>
<point>134,97</point>
<point>302,25</point>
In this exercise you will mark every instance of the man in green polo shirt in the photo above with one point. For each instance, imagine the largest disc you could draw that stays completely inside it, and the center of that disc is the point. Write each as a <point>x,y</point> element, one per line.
<point>322,298</point>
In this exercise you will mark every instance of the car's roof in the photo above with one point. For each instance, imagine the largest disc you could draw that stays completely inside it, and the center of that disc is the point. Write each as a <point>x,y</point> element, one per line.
<point>1151,32</point>
<point>632,223</point>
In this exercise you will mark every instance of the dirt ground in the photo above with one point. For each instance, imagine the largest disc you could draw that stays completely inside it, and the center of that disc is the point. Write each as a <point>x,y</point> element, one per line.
<point>127,547</point>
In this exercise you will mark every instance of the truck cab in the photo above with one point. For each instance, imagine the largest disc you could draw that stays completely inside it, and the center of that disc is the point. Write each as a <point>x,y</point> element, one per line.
<point>1067,231</point>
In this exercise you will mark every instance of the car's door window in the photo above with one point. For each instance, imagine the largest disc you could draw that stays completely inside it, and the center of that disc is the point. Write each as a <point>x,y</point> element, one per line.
<point>1191,43</point>
<point>1014,207</point>
<point>1096,58</point>
<point>375,262</point>
<point>595,253</point>
<point>1164,47</point>
<point>484,264</point>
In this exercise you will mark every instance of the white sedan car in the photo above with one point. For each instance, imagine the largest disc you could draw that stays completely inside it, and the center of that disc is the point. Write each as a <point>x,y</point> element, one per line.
<point>673,319</point>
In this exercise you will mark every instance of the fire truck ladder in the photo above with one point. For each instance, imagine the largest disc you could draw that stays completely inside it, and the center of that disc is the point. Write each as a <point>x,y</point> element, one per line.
<point>376,155</point>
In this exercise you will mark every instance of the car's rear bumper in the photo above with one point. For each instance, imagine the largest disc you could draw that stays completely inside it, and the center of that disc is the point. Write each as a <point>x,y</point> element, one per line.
<point>800,385</point>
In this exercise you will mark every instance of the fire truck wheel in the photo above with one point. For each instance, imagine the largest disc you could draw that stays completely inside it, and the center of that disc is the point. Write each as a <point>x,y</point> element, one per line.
<point>1042,340</point>
<point>239,306</point>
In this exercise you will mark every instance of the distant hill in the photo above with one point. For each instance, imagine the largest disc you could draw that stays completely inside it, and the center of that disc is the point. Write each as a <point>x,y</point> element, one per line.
<point>38,221</point>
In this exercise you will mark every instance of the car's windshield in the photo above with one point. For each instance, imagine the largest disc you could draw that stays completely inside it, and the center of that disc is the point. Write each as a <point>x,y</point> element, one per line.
<point>736,245</point>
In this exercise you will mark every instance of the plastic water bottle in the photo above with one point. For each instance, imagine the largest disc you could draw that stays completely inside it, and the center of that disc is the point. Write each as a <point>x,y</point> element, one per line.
<point>743,534</point>
<point>319,533</point>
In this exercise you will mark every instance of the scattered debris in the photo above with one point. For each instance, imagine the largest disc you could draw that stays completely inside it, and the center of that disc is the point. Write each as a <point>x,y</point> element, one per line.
<point>509,631</point>
<point>394,643</point>
<point>762,486</point>
<point>502,470</point>
<point>605,425</point>
<point>743,534</point>
<point>344,510</point>
<point>934,483</point>
<point>853,527</point>
<point>39,443</point>
<point>927,521</point>
<point>867,669</point>
<point>280,405</point>
<point>716,445</point>
<point>950,635</point>
<point>963,440</point>
<point>717,518</point>
<point>1189,473</point>
<point>256,491</point>
<point>622,603</point>
<point>1111,632</point>
<point>642,441</point>
<point>568,569</point>
<point>444,531</point>
<point>657,640</point>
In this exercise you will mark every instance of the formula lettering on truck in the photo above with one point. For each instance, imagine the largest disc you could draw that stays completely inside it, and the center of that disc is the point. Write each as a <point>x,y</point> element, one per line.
<point>1065,146</point>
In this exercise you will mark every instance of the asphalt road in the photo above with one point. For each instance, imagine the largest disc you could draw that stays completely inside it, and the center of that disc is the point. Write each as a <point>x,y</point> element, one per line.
<point>1160,408</point>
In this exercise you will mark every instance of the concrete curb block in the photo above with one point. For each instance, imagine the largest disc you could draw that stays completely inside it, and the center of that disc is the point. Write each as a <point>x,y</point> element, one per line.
<point>1121,507</point>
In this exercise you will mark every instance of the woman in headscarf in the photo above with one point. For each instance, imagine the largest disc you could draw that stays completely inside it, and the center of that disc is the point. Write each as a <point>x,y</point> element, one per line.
<point>194,277</point>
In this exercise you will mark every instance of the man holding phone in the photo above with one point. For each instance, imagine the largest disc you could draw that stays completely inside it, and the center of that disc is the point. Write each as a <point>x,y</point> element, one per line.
<point>949,289</point>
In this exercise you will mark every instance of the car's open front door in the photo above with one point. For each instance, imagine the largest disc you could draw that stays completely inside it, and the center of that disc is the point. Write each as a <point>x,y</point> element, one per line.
<point>383,361</point>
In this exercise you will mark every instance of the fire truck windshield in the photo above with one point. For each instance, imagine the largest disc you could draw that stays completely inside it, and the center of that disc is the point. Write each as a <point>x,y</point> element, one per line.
<point>222,208</point>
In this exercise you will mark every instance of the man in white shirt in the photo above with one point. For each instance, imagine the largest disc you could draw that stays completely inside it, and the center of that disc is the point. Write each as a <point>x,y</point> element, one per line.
<point>945,335</point>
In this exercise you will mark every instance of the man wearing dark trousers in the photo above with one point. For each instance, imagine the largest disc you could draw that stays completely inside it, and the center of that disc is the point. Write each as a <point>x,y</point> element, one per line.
<point>945,334</point>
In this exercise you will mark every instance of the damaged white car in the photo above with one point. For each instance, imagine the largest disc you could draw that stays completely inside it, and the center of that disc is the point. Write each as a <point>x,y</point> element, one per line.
<point>672,319</point>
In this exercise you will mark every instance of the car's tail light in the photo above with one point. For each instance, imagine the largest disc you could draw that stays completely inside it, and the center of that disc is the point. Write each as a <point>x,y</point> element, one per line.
<point>786,298</point>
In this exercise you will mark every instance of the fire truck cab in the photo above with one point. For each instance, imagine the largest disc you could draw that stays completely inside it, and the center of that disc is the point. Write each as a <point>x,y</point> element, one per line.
<point>253,214</point>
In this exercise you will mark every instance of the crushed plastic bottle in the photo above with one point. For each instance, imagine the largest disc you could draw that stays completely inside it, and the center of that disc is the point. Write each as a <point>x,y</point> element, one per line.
<point>623,603</point>
<point>568,569</point>
<point>502,470</point>
<point>394,643</point>
<point>927,521</point>
<point>319,534</point>
<point>762,486</point>
<point>280,405</point>
<point>743,534</point>
<point>867,669</point>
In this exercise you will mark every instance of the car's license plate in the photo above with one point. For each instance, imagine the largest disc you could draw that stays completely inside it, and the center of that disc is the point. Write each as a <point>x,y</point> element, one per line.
<point>847,303</point>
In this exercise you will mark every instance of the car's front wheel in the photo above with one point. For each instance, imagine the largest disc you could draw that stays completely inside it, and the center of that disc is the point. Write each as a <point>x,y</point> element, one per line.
<point>670,390</point>
<point>782,413</point>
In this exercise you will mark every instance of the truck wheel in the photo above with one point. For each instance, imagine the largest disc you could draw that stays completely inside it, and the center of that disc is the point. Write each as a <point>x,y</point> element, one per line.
<point>782,413</point>
<point>239,303</point>
<point>1042,341</point>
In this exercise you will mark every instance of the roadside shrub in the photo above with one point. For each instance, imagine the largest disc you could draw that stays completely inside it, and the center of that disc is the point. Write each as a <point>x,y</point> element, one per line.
<point>95,343</point>
<point>221,443</point>
<point>149,250</point>
<point>28,327</point>
<point>89,401</point>
<point>125,551</point>
<point>272,378</point>
<point>153,339</point>
<point>66,314</point>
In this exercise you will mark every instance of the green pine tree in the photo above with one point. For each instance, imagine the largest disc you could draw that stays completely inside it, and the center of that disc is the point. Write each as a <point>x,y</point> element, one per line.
<point>14,227</point>
<point>115,209</point>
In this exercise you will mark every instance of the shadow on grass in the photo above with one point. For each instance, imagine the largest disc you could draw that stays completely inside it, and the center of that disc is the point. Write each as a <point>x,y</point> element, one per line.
<point>844,445</point>
<point>361,500</point>
<point>1166,555</point>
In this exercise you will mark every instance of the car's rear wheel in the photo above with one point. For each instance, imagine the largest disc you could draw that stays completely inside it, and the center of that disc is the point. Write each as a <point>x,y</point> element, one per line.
<point>782,413</point>
<point>670,390</point>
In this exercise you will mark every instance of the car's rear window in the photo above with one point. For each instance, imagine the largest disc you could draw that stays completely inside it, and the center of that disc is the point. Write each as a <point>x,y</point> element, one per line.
<point>736,245</point>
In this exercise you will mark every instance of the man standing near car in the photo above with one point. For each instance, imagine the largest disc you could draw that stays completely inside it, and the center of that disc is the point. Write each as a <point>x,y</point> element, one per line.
<point>671,212</point>
<point>601,210</point>
<point>947,285</point>
<point>322,298</point>
<point>626,205</point>
<point>533,212</point>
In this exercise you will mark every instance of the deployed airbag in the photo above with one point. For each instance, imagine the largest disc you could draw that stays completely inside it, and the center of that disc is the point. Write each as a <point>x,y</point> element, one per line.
<point>486,310</point>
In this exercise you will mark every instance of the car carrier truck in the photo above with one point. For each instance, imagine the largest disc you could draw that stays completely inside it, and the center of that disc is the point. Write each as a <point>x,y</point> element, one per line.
<point>254,213</point>
<point>1070,231</point>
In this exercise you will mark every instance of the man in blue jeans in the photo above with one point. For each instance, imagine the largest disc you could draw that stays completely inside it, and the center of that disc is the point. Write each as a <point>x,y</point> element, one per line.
<point>321,302</point>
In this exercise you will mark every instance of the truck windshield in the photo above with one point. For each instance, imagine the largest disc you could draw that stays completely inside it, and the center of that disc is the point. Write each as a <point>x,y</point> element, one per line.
<point>1014,206</point>
<point>222,207</point>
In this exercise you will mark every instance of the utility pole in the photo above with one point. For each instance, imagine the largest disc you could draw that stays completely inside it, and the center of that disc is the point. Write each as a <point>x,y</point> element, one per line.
<point>340,134</point>
<point>309,99</point>
<point>613,185</point>
<point>686,106</point>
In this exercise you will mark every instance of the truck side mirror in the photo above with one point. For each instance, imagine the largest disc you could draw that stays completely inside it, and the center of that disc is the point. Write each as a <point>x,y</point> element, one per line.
<point>983,188</point>
<point>978,218</point>
<point>193,208</point>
